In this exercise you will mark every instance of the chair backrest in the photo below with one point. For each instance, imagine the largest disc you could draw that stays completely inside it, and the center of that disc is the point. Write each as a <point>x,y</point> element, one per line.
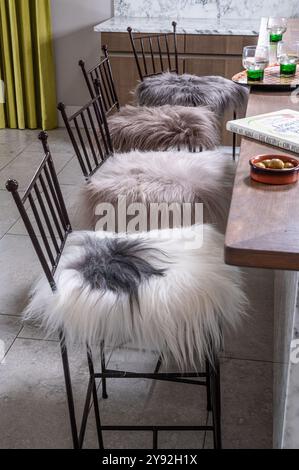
<point>49,225</point>
<point>101,74</point>
<point>89,134</point>
<point>155,53</point>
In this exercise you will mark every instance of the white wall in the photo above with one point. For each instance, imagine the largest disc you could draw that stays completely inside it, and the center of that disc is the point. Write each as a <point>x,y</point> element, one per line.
<point>72,23</point>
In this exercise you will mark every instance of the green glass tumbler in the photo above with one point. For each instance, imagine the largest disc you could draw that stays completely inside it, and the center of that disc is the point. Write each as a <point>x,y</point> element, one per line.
<point>274,37</point>
<point>287,69</point>
<point>255,75</point>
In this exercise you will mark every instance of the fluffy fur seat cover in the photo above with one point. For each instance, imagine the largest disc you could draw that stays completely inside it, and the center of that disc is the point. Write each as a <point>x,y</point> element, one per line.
<point>144,128</point>
<point>216,92</point>
<point>157,177</point>
<point>160,289</point>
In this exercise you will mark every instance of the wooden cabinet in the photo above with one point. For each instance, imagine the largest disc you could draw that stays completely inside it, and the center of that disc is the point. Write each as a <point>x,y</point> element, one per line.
<point>120,42</point>
<point>226,66</point>
<point>217,44</point>
<point>198,54</point>
<point>125,75</point>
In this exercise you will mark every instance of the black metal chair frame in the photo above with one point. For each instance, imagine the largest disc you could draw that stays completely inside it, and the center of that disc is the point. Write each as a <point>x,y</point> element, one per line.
<point>140,58</point>
<point>101,73</point>
<point>100,83</point>
<point>89,124</point>
<point>50,203</point>
<point>148,40</point>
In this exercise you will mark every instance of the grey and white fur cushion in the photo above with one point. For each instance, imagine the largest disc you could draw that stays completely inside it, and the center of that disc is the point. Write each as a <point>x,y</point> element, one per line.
<point>148,128</point>
<point>156,177</point>
<point>161,290</point>
<point>215,92</point>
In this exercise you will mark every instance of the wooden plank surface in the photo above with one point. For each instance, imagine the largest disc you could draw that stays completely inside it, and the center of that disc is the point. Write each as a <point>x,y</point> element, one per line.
<point>263,224</point>
<point>214,44</point>
<point>120,42</point>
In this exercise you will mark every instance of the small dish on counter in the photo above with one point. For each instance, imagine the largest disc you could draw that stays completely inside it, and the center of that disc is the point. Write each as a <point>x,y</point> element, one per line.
<point>274,169</point>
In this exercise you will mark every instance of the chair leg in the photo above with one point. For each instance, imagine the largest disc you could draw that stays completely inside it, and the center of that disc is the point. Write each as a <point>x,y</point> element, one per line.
<point>155,439</point>
<point>158,365</point>
<point>216,404</point>
<point>69,392</point>
<point>208,388</point>
<point>95,400</point>
<point>103,367</point>
<point>234,139</point>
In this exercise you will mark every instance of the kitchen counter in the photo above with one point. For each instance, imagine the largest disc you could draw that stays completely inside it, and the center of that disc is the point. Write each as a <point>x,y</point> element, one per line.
<point>236,27</point>
<point>263,232</point>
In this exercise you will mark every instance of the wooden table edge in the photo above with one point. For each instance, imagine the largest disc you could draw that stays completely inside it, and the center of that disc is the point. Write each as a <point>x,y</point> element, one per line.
<point>236,256</point>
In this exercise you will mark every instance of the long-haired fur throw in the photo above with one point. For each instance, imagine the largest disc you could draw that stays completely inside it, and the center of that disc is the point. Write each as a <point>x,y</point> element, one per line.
<point>157,177</point>
<point>159,289</point>
<point>216,92</point>
<point>148,128</point>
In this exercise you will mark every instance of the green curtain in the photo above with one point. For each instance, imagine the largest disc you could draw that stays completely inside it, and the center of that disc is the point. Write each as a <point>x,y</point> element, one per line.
<point>27,65</point>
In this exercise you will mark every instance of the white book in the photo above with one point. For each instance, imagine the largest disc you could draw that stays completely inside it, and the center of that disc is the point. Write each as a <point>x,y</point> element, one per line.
<point>280,128</point>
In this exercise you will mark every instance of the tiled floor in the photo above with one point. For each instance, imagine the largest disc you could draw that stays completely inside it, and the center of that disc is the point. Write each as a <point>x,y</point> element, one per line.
<point>32,396</point>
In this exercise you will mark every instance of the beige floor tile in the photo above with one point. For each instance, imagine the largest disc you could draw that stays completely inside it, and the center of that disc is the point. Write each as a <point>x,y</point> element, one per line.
<point>58,140</point>
<point>8,154</point>
<point>9,328</point>
<point>30,331</point>
<point>71,173</point>
<point>253,339</point>
<point>33,405</point>
<point>19,267</point>
<point>8,213</point>
<point>180,440</point>
<point>127,440</point>
<point>24,166</point>
<point>246,405</point>
<point>12,143</point>
<point>8,136</point>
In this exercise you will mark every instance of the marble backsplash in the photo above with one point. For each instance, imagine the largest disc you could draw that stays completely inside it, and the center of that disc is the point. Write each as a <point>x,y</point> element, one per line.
<point>205,8</point>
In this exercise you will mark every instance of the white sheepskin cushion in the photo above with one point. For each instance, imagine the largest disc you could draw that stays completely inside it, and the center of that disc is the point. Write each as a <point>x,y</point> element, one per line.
<point>144,128</point>
<point>157,177</point>
<point>216,92</point>
<point>160,289</point>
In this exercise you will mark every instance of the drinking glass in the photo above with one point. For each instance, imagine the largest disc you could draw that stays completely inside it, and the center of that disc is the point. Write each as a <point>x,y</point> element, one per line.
<point>276,27</point>
<point>255,60</point>
<point>288,57</point>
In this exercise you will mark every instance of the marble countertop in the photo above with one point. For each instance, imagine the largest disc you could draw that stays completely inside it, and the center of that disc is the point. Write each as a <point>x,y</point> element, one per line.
<point>237,27</point>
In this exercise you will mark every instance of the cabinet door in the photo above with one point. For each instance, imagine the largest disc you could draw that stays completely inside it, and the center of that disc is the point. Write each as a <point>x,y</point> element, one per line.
<point>226,66</point>
<point>125,76</point>
<point>218,44</point>
<point>120,42</point>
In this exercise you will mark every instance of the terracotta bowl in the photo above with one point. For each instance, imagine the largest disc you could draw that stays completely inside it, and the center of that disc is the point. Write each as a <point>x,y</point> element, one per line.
<point>274,176</point>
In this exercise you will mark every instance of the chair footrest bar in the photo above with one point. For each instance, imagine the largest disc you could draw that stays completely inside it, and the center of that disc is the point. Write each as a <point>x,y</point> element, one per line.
<point>157,428</point>
<point>110,374</point>
<point>152,377</point>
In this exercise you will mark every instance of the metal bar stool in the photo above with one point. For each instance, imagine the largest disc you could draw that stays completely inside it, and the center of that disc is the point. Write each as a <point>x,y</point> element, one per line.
<point>86,269</point>
<point>148,128</point>
<point>165,177</point>
<point>156,59</point>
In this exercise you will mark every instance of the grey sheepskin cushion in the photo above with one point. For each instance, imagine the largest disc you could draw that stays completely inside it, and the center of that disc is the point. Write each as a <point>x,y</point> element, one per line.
<point>163,290</point>
<point>156,177</point>
<point>149,128</point>
<point>216,92</point>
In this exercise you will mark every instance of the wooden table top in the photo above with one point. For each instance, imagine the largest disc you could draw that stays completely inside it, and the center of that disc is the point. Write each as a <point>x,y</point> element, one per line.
<point>263,223</point>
